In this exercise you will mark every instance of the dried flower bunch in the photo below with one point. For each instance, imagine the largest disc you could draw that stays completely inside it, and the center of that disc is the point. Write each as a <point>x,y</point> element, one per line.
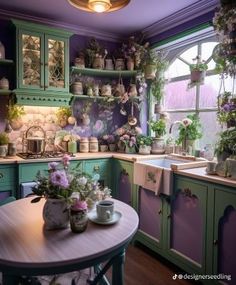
<point>60,183</point>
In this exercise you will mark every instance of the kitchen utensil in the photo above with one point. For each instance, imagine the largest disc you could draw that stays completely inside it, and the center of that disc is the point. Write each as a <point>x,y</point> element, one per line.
<point>35,140</point>
<point>132,121</point>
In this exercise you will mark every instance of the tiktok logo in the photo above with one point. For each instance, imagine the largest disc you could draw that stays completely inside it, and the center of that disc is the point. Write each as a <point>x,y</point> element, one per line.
<point>174,277</point>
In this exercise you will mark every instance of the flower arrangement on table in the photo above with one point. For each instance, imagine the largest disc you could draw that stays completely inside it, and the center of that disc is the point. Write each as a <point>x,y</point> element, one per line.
<point>62,183</point>
<point>189,130</point>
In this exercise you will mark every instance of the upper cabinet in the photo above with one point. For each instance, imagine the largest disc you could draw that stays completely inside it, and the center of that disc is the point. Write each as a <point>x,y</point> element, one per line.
<point>42,65</point>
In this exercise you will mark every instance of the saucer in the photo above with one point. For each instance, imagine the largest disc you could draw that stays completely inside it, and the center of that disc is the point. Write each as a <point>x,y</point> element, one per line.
<point>115,218</point>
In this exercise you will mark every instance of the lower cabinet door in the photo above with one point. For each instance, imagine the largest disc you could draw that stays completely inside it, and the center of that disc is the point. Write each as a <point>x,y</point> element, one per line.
<point>150,215</point>
<point>187,225</point>
<point>225,235</point>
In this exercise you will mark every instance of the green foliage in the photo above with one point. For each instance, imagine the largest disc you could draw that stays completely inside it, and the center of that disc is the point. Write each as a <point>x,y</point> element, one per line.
<point>159,127</point>
<point>191,131</point>
<point>226,142</point>
<point>63,113</point>
<point>144,140</point>
<point>4,139</point>
<point>15,112</point>
<point>201,66</point>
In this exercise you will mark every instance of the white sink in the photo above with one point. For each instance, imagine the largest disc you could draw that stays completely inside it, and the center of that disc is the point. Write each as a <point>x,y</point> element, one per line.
<point>172,163</point>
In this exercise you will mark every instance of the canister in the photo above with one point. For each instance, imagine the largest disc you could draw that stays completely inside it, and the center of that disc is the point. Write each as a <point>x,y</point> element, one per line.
<point>93,144</point>
<point>84,145</point>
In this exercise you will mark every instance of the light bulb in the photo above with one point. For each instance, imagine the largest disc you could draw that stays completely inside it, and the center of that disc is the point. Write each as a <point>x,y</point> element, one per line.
<point>99,6</point>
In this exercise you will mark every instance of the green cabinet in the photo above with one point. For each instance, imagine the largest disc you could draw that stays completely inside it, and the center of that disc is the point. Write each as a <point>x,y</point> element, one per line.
<point>186,224</point>
<point>99,169</point>
<point>7,181</point>
<point>222,242</point>
<point>42,65</point>
<point>123,182</point>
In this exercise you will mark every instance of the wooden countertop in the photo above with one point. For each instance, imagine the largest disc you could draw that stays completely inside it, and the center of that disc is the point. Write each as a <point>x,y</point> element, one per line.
<point>200,173</point>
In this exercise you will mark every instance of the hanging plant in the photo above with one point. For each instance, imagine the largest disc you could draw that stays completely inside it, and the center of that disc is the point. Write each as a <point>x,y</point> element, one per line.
<point>14,116</point>
<point>197,72</point>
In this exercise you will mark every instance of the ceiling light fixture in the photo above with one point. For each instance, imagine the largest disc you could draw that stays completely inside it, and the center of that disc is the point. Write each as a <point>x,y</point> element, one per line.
<point>99,6</point>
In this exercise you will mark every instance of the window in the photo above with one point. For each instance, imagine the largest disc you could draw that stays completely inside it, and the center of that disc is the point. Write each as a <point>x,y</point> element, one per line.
<point>179,101</point>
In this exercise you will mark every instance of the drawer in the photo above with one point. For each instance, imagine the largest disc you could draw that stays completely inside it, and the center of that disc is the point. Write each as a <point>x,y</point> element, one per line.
<point>7,175</point>
<point>28,171</point>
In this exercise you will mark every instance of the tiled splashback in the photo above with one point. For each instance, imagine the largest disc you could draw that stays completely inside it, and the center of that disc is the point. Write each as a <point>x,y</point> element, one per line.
<point>102,117</point>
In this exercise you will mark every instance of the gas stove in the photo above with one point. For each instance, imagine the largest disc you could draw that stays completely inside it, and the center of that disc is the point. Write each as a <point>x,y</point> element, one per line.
<point>45,154</point>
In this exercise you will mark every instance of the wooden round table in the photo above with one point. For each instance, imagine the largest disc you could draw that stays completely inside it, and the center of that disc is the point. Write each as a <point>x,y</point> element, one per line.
<point>27,249</point>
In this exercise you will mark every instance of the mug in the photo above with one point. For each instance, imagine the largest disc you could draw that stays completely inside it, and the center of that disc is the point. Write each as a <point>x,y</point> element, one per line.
<point>211,167</point>
<point>105,210</point>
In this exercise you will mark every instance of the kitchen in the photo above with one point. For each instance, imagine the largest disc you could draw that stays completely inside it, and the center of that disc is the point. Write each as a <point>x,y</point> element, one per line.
<point>70,82</point>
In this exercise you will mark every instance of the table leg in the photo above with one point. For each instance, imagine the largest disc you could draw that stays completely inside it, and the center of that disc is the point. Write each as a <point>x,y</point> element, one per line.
<point>118,269</point>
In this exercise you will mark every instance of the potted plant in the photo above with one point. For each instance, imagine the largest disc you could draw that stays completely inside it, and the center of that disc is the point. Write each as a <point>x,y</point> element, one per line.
<point>4,140</point>
<point>14,116</point>
<point>198,72</point>
<point>95,54</point>
<point>227,109</point>
<point>226,144</point>
<point>64,116</point>
<point>159,127</point>
<point>189,131</point>
<point>144,144</point>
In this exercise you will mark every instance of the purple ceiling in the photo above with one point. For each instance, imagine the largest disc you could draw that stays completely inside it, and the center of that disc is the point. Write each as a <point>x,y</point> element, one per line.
<point>138,15</point>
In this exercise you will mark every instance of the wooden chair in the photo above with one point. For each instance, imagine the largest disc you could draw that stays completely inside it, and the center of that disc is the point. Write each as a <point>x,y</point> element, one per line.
<point>7,200</point>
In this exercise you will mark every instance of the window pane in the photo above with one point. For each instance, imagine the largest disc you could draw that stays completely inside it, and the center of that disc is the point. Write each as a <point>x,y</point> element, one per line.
<point>189,54</point>
<point>207,49</point>
<point>210,128</point>
<point>178,97</point>
<point>209,92</point>
<point>211,65</point>
<point>177,68</point>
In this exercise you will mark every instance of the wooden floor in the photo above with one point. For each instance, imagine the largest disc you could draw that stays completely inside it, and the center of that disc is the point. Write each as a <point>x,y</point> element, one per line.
<point>144,268</point>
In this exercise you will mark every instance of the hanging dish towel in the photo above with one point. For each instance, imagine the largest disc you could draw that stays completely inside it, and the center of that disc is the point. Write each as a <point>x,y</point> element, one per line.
<point>153,179</point>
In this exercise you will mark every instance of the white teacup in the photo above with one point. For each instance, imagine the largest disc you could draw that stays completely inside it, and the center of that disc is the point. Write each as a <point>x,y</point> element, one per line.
<point>105,210</point>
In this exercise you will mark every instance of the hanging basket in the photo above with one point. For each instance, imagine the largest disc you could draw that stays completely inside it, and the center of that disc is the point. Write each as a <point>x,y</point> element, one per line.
<point>197,76</point>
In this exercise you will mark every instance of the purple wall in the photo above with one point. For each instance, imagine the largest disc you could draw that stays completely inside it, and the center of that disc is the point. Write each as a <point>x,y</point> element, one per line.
<point>206,18</point>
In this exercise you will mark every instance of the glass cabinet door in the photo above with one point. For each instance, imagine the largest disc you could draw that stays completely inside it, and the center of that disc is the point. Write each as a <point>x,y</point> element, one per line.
<point>55,63</point>
<point>31,61</point>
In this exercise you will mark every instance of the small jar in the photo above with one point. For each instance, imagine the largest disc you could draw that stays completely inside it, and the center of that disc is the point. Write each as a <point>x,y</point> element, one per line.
<point>2,51</point>
<point>79,217</point>
<point>72,147</point>
<point>84,145</point>
<point>93,144</point>
<point>11,149</point>
<point>4,83</point>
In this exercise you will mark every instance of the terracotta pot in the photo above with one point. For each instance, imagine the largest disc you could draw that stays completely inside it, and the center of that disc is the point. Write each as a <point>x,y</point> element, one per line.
<point>16,124</point>
<point>98,63</point>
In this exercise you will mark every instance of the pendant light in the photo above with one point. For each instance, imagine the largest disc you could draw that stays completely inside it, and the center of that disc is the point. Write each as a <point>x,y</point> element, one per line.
<point>99,6</point>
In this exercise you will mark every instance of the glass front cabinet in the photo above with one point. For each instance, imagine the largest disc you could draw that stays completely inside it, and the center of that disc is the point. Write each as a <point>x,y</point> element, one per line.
<point>42,64</point>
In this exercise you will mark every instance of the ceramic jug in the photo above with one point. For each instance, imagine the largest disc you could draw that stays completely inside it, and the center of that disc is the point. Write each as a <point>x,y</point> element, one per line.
<point>109,64</point>
<point>2,51</point>
<point>4,83</point>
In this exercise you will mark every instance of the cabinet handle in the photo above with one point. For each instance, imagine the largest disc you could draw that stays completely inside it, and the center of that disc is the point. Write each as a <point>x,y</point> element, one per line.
<point>215,242</point>
<point>1,175</point>
<point>46,86</point>
<point>159,212</point>
<point>124,172</point>
<point>46,64</point>
<point>41,63</point>
<point>169,216</point>
<point>96,168</point>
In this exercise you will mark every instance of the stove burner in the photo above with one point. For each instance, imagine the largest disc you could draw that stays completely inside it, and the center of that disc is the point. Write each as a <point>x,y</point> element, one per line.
<point>46,154</point>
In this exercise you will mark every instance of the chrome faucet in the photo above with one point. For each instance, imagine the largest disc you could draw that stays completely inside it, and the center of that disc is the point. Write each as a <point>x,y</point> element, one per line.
<point>170,131</point>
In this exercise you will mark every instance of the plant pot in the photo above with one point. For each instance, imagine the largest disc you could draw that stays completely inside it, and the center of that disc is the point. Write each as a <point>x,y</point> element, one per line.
<point>197,76</point>
<point>150,71</point>
<point>130,64</point>
<point>130,150</point>
<point>188,146</point>
<point>98,63</point>
<point>55,214</point>
<point>119,64</point>
<point>144,149</point>
<point>223,156</point>
<point>103,147</point>
<point>112,147</point>
<point>16,124</point>
<point>231,168</point>
<point>3,150</point>
<point>158,146</point>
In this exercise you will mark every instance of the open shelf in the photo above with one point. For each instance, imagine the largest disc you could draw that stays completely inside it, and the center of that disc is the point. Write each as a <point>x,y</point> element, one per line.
<point>105,98</point>
<point>5,92</point>
<point>103,72</point>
